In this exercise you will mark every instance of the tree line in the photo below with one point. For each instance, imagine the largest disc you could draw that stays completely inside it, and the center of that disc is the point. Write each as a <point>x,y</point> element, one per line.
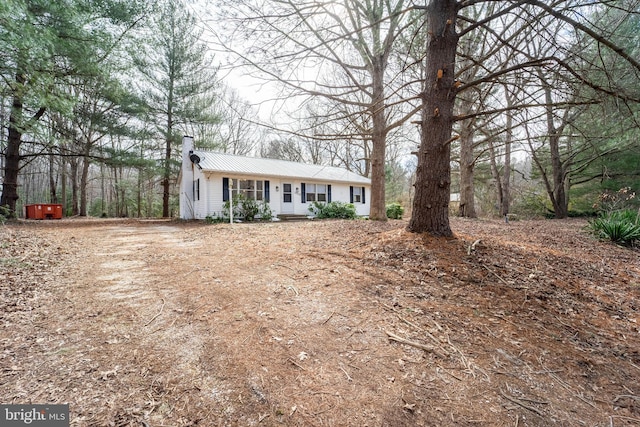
<point>420,98</point>
<point>96,96</point>
<point>470,83</point>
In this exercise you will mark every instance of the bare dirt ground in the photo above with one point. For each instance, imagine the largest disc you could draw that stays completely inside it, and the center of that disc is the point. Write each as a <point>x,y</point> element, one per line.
<point>337,323</point>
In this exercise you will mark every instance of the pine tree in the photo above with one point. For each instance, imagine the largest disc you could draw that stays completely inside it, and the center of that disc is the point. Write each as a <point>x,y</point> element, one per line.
<point>178,83</point>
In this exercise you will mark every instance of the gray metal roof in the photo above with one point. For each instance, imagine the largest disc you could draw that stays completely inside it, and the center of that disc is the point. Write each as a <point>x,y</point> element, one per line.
<point>240,165</point>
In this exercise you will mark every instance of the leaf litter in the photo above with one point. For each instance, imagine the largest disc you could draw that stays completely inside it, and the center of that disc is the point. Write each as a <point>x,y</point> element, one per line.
<point>345,323</point>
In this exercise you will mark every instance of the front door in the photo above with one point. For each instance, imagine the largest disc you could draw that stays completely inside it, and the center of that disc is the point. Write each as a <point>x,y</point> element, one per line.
<point>287,199</point>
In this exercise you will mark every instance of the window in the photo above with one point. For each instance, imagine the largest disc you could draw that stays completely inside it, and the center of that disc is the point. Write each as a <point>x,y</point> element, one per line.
<point>356,194</point>
<point>196,189</point>
<point>316,192</point>
<point>249,188</point>
<point>286,193</point>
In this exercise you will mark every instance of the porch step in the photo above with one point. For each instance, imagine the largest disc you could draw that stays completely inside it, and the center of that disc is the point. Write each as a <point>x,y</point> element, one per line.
<point>292,217</point>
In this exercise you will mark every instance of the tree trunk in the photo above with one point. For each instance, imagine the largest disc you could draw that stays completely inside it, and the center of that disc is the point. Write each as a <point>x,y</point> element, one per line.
<point>505,202</point>
<point>467,207</point>
<point>378,210</point>
<point>495,174</point>
<point>504,195</point>
<point>139,186</point>
<point>12,161</point>
<point>84,182</point>
<point>74,186</point>
<point>12,151</point>
<point>53,190</point>
<point>166,179</point>
<point>17,125</point>
<point>560,199</point>
<point>558,196</point>
<point>433,175</point>
<point>63,185</point>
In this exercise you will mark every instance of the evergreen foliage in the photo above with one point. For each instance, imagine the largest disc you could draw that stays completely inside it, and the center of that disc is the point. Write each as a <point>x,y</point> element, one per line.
<point>246,209</point>
<point>395,211</point>
<point>622,227</point>
<point>335,210</point>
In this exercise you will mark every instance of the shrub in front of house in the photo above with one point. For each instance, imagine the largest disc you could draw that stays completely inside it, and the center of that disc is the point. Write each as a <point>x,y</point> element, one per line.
<point>247,210</point>
<point>339,210</point>
<point>209,219</point>
<point>395,211</point>
<point>264,211</point>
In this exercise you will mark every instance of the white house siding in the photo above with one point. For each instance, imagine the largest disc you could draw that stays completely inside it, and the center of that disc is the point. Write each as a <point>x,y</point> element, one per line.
<point>210,168</point>
<point>216,204</point>
<point>212,204</point>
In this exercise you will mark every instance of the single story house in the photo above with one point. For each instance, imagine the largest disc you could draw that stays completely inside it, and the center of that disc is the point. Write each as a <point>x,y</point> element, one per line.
<point>207,180</point>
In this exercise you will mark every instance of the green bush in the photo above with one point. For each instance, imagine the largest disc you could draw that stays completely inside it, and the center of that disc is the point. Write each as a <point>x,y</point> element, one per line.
<point>339,210</point>
<point>395,211</point>
<point>214,219</point>
<point>265,212</point>
<point>622,227</point>
<point>248,209</point>
<point>5,214</point>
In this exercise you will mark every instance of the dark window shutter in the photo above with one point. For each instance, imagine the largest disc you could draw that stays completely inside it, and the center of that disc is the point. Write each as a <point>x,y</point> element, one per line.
<point>303,190</point>
<point>225,189</point>
<point>351,194</point>
<point>363,195</point>
<point>266,192</point>
<point>329,193</point>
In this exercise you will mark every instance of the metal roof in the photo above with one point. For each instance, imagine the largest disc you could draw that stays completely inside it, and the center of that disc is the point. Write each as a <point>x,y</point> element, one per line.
<point>241,165</point>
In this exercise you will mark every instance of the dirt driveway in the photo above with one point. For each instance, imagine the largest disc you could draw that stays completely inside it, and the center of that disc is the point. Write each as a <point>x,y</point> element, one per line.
<point>337,323</point>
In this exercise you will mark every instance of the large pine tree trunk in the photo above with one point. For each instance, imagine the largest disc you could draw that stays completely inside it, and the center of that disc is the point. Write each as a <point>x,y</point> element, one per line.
<point>12,151</point>
<point>378,209</point>
<point>12,165</point>
<point>433,175</point>
<point>17,125</point>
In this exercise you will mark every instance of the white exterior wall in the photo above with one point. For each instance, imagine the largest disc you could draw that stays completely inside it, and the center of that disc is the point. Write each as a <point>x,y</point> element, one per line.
<point>186,180</point>
<point>200,207</point>
<point>211,197</point>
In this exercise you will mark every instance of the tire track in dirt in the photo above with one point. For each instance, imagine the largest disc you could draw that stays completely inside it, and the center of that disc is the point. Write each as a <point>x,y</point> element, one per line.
<point>132,277</point>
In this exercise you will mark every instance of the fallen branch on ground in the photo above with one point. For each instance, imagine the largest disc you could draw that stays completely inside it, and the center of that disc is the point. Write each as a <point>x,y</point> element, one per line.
<point>518,402</point>
<point>394,337</point>
<point>157,314</point>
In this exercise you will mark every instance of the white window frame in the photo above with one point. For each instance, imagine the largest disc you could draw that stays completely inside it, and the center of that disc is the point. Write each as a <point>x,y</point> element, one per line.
<point>252,189</point>
<point>357,194</point>
<point>196,189</point>
<point>320,192</point>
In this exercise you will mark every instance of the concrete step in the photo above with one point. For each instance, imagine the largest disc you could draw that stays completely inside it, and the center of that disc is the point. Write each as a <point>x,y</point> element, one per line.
<point>292,217</point>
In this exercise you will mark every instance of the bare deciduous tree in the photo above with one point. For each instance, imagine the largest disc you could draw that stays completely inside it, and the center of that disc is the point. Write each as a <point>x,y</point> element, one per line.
<point>445,29</point>
<point>338,51</point>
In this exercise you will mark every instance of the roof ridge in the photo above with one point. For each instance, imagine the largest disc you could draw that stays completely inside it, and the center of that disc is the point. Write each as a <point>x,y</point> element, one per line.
<point>275,160</point>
